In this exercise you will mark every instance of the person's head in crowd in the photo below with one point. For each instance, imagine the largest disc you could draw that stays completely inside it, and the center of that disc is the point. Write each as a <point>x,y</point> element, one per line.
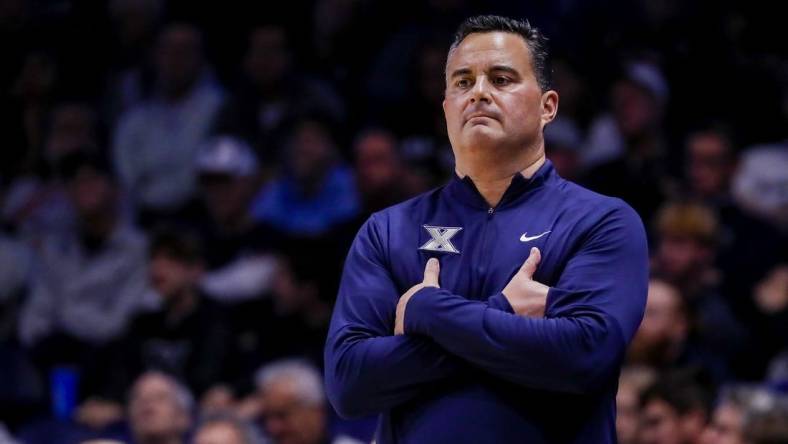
<point>268,57</point>
<point>638,99</point>
<point>90,185</point>
<point>294,403</point>
<point>768,425</point>
<point>72,126</point>
<point>664,329</point>
<point>176,265</point>
<point>688,234</point>
<point>300,281</point>
<point>378,163</point>
<point>747,415</point>
<point>225,429</point>
<point>38,77</point>
<point>311,151</point>
<point>228,173</point>
<point>674,410</point>
<point>632,382</point>
<point>160,409</point>
<point>563,141</point>
<point>711,161</point>
<point>179,59</point>
<point>135,20</point>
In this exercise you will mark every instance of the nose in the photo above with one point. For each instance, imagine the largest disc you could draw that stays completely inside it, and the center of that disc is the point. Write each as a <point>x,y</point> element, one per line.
<point>481,90</point>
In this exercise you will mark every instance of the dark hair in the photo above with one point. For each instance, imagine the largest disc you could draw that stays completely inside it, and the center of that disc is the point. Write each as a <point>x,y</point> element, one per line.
<point>177,243</point>
<point>685,390</point>
<point>536,41</point>
<point>70,165</point>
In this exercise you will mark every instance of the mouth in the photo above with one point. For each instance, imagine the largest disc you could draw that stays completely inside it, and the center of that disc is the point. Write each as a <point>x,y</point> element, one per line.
<point>478,118</point>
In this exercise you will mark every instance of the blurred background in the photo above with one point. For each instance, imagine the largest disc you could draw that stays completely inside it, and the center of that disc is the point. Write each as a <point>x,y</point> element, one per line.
<point>180,182</point>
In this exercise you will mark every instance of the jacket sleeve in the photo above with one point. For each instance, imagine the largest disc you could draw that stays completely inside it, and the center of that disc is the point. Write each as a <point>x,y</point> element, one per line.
<point>592,313</point>
<point>368,370</point>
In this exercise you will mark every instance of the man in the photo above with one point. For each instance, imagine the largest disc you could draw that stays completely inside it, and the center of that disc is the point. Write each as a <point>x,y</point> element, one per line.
<point>674,410</point>
<point>225,429</point>
<point>89,281</point>
<point>477,359</point>
<point>156,141</point>
<point>294,404</point>
<point>159,410</point>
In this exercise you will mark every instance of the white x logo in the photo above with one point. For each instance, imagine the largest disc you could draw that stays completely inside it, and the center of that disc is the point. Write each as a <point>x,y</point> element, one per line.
<point>440,239</point>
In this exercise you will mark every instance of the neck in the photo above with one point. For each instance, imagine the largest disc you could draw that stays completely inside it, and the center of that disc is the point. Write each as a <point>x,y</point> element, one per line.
<point>492,176</point>
<point>99,225</point>
<point>181,305</point>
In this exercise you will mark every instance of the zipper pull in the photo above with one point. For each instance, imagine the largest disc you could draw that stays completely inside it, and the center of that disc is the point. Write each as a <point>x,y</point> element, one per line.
<point>490,211</point>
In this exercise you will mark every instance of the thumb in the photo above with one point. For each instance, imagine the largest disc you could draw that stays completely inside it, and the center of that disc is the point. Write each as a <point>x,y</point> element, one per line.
<point>431,272</point>
<point>529,266</point>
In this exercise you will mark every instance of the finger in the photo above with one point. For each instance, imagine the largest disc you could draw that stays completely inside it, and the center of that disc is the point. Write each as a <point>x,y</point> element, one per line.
<point>530,264</point>
<point>432,272</point>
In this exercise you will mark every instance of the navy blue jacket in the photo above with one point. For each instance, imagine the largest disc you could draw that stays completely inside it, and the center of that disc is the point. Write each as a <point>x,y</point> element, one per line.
<point>468,369</point>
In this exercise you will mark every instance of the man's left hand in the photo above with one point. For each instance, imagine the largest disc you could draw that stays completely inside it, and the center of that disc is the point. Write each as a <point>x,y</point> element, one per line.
<point>431,272</point>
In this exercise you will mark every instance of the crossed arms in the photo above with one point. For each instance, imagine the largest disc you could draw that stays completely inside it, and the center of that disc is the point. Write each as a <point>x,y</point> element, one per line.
<point>593,311</point>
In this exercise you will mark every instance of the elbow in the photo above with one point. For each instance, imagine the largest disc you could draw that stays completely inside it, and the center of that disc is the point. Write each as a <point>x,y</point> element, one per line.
<point>346,398</point>
<point>596,367</point>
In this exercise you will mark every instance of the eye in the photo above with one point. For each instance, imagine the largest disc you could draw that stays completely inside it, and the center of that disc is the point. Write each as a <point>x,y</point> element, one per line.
<point>501,80</point>
<point>462,83</point>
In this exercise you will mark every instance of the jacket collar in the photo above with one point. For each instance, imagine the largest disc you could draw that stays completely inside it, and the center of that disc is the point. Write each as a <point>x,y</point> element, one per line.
<point>464,190</point>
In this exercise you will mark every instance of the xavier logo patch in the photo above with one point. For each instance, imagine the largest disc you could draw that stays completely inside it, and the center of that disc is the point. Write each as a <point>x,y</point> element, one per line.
<point>441,239</point>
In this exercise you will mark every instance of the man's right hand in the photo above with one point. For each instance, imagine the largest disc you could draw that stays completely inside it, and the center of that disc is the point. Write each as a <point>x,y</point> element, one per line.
<point>526,296</point>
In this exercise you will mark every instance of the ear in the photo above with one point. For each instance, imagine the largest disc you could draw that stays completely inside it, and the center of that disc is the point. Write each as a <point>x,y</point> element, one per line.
<point>549,106</point>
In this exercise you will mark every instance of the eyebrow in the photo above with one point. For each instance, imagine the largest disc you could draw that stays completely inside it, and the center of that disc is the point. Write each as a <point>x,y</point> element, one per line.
<point>460,72</point>
<point>504,68</point>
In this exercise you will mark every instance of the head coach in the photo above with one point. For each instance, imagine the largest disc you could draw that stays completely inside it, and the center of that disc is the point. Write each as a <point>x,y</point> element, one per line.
<point>528,288</point>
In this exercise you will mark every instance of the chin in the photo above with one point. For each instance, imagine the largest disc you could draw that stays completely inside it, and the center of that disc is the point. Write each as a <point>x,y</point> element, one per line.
<point>481,135</point>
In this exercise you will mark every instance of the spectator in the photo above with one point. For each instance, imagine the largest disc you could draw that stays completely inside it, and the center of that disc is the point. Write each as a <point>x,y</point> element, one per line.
<point>736,403</point>
<point>272,93</point>
<point>316,193</point>
<point>626,149</point>
<point>294,404</point>
<point>225,430</point>
<point>633,381</point>
<point>688,235</point>
<point>87,283</point>
<point>664,331</point>
<point>156,141</point>
<point>188,337</point>
<point>745,251</point>
<point>382,178</point>
<point>675,411</point>
<point>236,254</point>
<point>159,410</point>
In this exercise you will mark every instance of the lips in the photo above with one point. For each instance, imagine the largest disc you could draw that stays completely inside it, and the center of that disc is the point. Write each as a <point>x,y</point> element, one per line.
<point>480,114</point>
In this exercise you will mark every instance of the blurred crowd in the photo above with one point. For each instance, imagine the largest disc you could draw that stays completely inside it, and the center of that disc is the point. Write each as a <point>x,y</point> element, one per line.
<point>180,182</point>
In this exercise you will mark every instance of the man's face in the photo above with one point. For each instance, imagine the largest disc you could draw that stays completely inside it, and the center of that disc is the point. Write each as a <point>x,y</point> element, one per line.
<point>710,165</point>
<point>661,424</point>
<point>90,191</point>
<point>493,99</point>
<point>289,420</point>
<point>170,276</point>
<point>179,58</point>
<point>663,325</point>
<point>154,412</point>
<point>726,426</point>
<point>219,433</point>
<point>628,410</point>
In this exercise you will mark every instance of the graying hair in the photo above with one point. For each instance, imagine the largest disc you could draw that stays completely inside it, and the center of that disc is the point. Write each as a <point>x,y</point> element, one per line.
<point>247,431</point>
<point>182,395</point>
<point>307,380</point>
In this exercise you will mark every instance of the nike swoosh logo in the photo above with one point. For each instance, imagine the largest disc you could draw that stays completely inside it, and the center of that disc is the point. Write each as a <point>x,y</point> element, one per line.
<point>525,238</point>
